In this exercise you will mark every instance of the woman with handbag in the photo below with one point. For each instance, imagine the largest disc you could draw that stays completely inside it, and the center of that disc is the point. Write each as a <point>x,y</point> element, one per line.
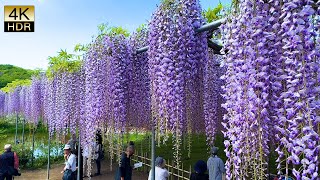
<point>69,171</point>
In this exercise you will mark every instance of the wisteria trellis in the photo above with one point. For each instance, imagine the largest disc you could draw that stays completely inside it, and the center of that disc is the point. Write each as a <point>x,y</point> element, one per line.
<point>271,85</point>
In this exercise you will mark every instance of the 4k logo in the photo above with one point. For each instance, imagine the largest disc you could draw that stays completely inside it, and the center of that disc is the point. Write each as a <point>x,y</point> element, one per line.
<point>18,18</point>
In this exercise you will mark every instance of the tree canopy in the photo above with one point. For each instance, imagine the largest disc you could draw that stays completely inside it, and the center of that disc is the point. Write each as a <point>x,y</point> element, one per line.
<point>9,73</point>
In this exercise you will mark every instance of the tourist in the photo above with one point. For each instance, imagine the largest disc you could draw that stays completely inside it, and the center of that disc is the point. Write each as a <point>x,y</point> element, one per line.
<point>215,165</point>
<point>98,152</point>
<point>73,142</point>
<point>69,171</point>
<point>9,163</point>
<point>124,172</point>
<point>200,169</point>
<point>161,173</point>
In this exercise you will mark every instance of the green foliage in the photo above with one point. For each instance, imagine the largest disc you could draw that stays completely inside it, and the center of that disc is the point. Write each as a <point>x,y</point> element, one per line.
<point>105,29</point>
<point>14,84</point>
<point>64,62</point>
<point>37,72</point>
<point>213,14</point>
<point>118,31</point>
<point>141,27</point>
<point>167,3</point>
<point>3,133</point>
<point>81,47</point>
<point>24,151</point>
<point>9,73</point>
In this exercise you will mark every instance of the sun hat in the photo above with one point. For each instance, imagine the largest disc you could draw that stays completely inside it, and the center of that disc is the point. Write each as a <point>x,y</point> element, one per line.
<point>7,146</point>
<point>200,167</point>
<point>214,150</point>
<point>67,146</point>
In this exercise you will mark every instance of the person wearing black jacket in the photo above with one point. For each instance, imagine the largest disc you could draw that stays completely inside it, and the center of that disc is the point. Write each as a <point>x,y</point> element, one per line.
<point>98,149</point>
<point>200,168</point>
<point>124,172</point>
<point>9,163</point>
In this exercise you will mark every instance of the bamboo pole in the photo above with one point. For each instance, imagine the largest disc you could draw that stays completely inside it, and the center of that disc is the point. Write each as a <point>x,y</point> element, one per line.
<point>15,137</point>
<point>24,121</point>
<point>32,157</point>
<point>48,165</point>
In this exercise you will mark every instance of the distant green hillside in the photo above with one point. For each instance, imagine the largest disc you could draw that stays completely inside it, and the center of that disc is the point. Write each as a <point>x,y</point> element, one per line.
<point>9,73</point>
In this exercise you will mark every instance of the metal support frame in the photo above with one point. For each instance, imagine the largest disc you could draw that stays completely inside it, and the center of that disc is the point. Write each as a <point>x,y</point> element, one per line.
<point>207,27</point>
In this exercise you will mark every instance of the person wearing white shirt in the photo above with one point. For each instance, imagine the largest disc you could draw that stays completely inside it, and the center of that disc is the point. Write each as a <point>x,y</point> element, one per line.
<point>70,161</point>
<point>161,173</point>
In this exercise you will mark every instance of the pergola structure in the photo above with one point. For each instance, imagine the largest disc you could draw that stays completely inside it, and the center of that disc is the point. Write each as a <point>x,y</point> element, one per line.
<point>207,27</point>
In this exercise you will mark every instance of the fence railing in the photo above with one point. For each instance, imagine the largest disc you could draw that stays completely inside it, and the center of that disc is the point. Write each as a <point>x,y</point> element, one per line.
<point>175,173</point>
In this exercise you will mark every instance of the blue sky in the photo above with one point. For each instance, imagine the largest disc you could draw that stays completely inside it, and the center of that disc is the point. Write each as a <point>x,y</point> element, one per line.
<point>61,24</point>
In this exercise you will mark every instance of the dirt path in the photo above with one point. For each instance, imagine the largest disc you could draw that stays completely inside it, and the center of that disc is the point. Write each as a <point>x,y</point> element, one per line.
<point>106,173</point>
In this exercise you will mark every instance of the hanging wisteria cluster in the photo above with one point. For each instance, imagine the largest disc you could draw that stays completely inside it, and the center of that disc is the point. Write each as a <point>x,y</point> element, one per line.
<point>176,59</point>
<point>272,81</point>
<point>2,103</point>
<point>139,105</point>
<point>25,101</point>
<point>212,99</point>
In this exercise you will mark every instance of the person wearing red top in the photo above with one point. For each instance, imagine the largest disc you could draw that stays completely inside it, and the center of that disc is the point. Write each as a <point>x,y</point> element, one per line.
<point>9,163</point>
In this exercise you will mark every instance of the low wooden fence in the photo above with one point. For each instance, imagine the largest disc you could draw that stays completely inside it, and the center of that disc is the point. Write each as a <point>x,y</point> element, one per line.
<point>175,172</point>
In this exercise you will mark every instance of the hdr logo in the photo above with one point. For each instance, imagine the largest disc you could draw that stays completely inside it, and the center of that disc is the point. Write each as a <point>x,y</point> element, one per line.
<point>18,18</point>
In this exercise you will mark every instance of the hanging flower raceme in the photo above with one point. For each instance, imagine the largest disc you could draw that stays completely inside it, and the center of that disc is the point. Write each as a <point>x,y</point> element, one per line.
<point>23,99</point>
<point>212,91</point>
<point>14,101</point>
<point>27,108</point>
<point>2,103</point>
<point>35,98</point>
<point>290,64</point>
<point>171,63</point>
<point>140,102</point>
<point>95,95</point>
<point>50,103</point>
<point>197,57</point>
<point>118,54</point>
<point>246,91</point>
<point>299,56</point>
<point>75,95</point>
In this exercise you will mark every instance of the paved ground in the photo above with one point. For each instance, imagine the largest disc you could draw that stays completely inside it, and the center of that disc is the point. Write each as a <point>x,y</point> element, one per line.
<point>55,173</point>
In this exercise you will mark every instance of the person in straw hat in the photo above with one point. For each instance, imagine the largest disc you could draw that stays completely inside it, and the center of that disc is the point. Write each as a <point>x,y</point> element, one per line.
<point>70,164</point>
<point>9,163</point>
<point>215,165</point>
